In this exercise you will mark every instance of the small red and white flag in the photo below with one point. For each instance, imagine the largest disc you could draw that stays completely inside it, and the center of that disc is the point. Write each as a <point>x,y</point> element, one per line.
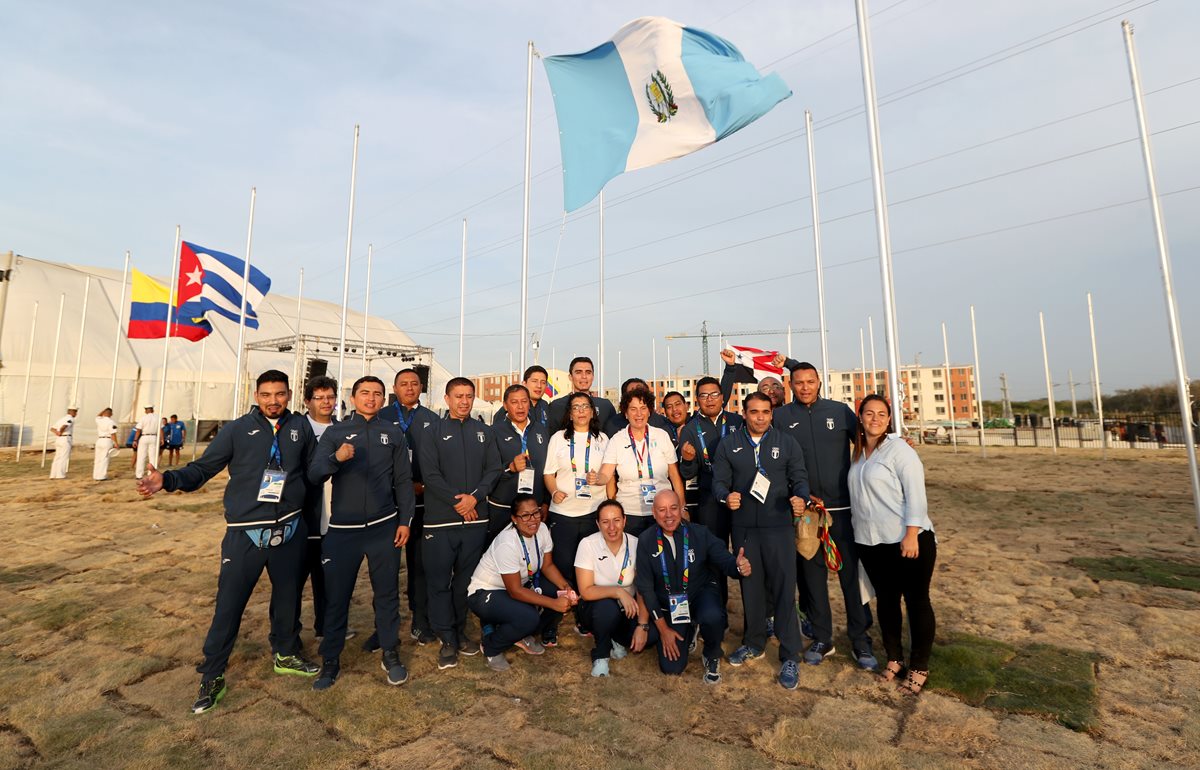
<point>757,363</point>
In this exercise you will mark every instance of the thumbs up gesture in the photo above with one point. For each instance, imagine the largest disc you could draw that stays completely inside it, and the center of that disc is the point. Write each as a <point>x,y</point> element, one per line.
<point>687,451</point>
<point>743,564</point>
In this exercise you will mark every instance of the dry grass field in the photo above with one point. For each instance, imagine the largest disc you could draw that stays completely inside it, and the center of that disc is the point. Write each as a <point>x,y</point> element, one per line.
<point>104,601</point>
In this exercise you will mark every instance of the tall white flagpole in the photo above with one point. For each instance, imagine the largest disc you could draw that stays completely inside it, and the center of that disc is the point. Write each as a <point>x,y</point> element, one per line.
<point>297,358</point>
<point>891,344</point>
<point>87,290</point>
<point>172,298</point>
<point>525,205</point>
<point>600,351</point>
<point>196,400</point>
<point>949,387</point>
<point>654,364</point>
<point>1099,403</point>
<point>62,299</point>
<point>28,367</point>
<point>1049,383</point>
<point>871,338</point>
<point>241,343</point>
<point>862,355</point>
<point>1164,262</point>
<point>367,309</point>
<point>670,371</point>
<point>789,340</point>
<point>346,278</point>
<point>112,384</point>
<point>462,302</point>
<point>978,387</point>
<point>816,220</point>
<point>619,374</point>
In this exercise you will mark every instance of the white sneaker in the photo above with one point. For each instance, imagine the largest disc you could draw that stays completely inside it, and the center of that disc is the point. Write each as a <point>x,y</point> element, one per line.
<point>618,651</point>
<point>600,667</point>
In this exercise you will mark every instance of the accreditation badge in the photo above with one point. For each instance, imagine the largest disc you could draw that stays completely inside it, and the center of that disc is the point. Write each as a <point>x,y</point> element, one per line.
<point>758,490</point>
<point>582,490</point>
<point>270,490</point>
<point>693,483</point>
<point>525,481</point>
<point>648,491</point>
<point>681,613</point>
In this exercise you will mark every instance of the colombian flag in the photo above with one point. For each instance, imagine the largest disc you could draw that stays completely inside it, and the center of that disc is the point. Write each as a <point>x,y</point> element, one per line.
<point>148,313</point>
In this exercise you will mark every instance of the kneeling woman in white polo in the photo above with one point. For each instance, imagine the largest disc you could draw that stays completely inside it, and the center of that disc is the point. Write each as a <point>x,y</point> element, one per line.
<point>604,566</point>
<point>516,589</point>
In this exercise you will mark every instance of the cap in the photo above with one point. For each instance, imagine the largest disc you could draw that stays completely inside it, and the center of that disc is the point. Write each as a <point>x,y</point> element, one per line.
<point>72,408</point>
<point>148,406</point>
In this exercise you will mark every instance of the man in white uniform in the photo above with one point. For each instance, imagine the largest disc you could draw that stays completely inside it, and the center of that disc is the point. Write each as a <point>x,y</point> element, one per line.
<point>146,441</point>
<point>63,431</point>
<point>106,443</point>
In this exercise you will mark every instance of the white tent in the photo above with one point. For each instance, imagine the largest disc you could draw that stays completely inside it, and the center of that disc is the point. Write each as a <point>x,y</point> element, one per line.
<point>139,362</point>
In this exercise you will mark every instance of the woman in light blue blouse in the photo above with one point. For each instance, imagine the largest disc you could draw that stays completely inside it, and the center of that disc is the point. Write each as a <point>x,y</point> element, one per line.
<point>895,538</point>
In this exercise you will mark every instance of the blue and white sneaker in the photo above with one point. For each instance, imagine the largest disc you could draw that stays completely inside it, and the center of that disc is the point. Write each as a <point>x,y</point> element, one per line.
<point>806,629</point>
<point>866,660</point>
<point>618,651</point>
<point>789,675</point>
<point>744,654</point>
<point>817,652</point>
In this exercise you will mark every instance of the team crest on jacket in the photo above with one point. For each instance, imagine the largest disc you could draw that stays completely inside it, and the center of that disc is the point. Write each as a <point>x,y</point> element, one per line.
<point>383,438</point>
<point>295,435</point>
<point>829,423</point>
<point>539,438</point>
<point>774,453</point>
<point>660,97</point>
<point>479,435</point>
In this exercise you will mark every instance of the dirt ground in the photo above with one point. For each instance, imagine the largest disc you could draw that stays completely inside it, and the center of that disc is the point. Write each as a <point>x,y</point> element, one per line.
<point>105,599</point>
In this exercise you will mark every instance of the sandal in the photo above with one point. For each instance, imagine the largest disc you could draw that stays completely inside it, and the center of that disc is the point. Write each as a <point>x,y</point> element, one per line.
<point>916,681</point>
<point>893,670</point>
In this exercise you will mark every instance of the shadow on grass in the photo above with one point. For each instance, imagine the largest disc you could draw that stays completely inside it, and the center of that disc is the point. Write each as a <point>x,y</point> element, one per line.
<point>1035,679</point>
<point>1141,570</point>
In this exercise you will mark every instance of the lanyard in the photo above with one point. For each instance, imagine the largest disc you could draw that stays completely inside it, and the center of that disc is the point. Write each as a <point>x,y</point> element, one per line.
<point>756,444</point>
<point>524,445</point>
<point>276,460</point>
<point>624,563</point>
<point>662,558</point>
<point>700,434</point>
<point>587,454</point>
<point>400,417</point>
<point>540,408</point>
<point>534,575</point>
<point>644,455</point>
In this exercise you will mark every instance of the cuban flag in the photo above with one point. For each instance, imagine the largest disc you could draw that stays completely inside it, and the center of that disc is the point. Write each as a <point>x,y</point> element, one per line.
<point>755,363</point>
<point>658,90</point>
<point>211,280</point>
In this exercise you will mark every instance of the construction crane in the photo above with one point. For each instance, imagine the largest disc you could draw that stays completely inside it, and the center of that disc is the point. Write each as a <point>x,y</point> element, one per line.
<point>704,335</point>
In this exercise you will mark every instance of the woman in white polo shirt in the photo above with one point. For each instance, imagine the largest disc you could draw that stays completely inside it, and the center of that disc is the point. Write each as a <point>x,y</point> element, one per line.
<point>573,461</point>
<point>605,566</point>
<point>644,460</point>
<point>516,589</point>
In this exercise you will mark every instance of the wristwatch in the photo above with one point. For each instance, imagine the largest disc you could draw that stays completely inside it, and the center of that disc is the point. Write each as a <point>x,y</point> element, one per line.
<point>645,627</point>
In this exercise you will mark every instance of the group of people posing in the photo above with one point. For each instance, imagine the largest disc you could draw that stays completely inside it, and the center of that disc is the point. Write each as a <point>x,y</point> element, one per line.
<point>632,520</point>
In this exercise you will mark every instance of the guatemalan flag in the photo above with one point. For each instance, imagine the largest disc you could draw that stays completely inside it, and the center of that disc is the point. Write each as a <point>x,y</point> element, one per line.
<point>211,280</point>
<point>658,90</point>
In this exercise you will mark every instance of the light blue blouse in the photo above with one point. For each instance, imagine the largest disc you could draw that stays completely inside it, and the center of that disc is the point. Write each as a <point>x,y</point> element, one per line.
<point>887,493</point>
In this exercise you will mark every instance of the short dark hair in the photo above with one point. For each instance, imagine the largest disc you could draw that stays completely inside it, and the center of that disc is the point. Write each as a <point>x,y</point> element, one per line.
<point>610,503</point>
<point>642,394</point>
<point>364,380</point>
<point>580,360</point>
<point>272,375</point>
<point>633,380</point>
<point>535,369</point>
<point>409,370</point>
<point>805,366</point>
<point>519,498</point>
<point>673,393</point>
<point>567,426</point>
<point>174,417</point>
<point>454,382</point>
<point>700,383</point>
<point>513,389</point>
<point>319,383</point>
<point>757,396</point>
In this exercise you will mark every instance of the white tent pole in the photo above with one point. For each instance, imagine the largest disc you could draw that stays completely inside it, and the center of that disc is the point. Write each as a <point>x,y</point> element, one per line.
<point>112,385</point>
<point>171,300</point>
<point>346,277</point>
<point>619,374</point>
<point>297,386</point>
<point>789,340</point>
<point>525,204</point>
<point>654,364</point>
<point>241,344</point>
<point>1164,263</point>
<point>1096,381</point>
<point>862,355</point>
<point>87,290</point>
<point>462,300</point>
<point>62,300</point>
<point>978,386</point>
<point>28,367</point>
<point>600,351</point>
<point>196,400</point>
<point>1049,384</point>
<point>367,308</point>
<point>816,220</point>
<point>949,386</point>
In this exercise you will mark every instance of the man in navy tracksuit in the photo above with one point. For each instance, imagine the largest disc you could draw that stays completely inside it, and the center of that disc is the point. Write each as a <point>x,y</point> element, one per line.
<point>459,464</point>
<point>369,517</point>
<point>759,474</point>
<point>581,372</point>
<point>825,429</point>
<point>266,451</point>
<point>698,444</point>
<point>415,420</point>
<point>535,381</point>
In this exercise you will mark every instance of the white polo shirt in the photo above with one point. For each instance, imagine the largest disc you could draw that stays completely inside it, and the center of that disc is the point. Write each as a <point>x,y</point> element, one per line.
<point>659,457</point>
<point>105,427</point>
<point>149,424</point>
<point>607,569</point>
<point>66,425</point>
<point>505,556</point>
<point>558,465</point>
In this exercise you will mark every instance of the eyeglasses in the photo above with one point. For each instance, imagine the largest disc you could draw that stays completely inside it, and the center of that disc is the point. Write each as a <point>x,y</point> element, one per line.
<point>581,407</point>
<point>527,516</point>
<point>708,396</point>
<point>324,398</point>
<point>771,387</point>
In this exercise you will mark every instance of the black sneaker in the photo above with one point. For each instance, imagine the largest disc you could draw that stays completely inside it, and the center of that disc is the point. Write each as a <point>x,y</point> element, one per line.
<point>329,674</point>
<point>296,665</point>
<point>580,630</point>
<point>550,637</point>
<point>396,672</point>
<point>447,656</point>
<point>422,636</point>
<point>712,670</point>
<point>372,644</point>
<point>467,645</point>
<point>211,692</point>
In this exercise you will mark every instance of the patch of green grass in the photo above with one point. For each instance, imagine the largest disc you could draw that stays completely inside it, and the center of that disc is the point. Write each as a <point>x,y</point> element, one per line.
<point>57,614</point>
<point>31,573</point>
<point>1050,680</point>
<point>1037,679</point>
<point>1141,570</point>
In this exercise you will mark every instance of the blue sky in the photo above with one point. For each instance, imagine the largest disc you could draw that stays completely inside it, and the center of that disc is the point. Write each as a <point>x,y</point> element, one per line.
<point>125,119</point>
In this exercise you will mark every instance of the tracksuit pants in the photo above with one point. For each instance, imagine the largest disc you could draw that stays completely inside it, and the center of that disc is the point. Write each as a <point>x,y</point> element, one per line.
<point>242,563</point>
<point>418,594</point>
<point>636,525</point>
<point>499,517</point>
<point>812,578</point>
<point>894,577</point>
<point>342,553</point>
<point>567,532</point>
<point>450,555</point>
<point>767,592</point>
<point>311,570</point>
<point>707,612</point>
<point>511,620</point>
<point>717,519</point>
<point>609,623</point>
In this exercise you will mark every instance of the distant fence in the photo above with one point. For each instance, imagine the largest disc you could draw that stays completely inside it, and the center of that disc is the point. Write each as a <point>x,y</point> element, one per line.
<point>1133,431</point>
